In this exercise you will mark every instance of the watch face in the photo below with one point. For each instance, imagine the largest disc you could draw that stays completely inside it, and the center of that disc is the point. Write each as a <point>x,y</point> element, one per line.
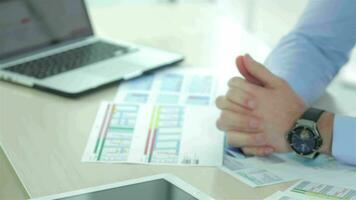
<point>303,141</point>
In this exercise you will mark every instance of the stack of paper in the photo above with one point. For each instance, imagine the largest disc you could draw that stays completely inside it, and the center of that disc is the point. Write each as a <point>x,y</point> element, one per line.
<point>165,118</point>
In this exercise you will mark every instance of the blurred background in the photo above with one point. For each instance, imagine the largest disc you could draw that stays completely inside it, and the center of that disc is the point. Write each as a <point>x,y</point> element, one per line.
<point>265,20</point>
<point>268,20</point>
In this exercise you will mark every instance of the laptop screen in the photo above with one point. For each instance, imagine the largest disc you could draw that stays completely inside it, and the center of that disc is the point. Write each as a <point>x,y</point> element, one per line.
<point>27,25</point>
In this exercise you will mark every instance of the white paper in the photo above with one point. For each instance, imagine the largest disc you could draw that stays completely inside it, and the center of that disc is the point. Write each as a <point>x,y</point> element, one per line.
<point>306,189</point>
<point>283,196</point>
<point>253,171</point>
<point>278,168</point>
<point>190,87</point>
<point>155,134</point>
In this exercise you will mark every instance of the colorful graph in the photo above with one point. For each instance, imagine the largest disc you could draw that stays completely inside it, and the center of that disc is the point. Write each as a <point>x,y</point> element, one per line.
<point>164,135</point>
<point>153,134</point>
<point>324,191</point>
<point>169,89</point>
<point>115,136</point>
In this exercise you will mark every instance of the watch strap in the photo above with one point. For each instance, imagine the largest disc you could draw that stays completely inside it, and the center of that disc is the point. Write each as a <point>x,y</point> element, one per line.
<point>312,114</point>
<point>315,155</point>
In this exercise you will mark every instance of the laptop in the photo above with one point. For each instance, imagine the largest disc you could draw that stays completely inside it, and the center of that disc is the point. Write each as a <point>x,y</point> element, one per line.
<point>50,45</point>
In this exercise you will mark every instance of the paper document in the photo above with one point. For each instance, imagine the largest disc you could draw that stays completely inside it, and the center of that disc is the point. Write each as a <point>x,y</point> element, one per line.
<point>276,168</point>
<point>169,88</point>
<point>312,190</point>
<point>252,170</point>
<point>155,134</point>
<point>283,196</point>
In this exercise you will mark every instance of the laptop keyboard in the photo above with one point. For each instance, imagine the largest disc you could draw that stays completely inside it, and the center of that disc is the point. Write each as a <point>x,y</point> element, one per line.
<point>68,60</point>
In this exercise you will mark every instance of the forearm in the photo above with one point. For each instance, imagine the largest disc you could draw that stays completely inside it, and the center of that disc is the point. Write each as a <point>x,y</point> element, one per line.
<point>310,56</point>
<point>300,62</point>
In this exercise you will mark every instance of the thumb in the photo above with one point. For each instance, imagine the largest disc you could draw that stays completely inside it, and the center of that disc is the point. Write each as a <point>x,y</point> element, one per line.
<point>243,71</point>
<point>258,71</point>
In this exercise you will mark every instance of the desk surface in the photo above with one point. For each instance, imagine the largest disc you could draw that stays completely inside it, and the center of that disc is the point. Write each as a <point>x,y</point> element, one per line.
<point>44,135</point>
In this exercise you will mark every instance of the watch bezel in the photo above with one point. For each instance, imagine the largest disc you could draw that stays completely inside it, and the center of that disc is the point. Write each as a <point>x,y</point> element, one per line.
<point>312,127</point>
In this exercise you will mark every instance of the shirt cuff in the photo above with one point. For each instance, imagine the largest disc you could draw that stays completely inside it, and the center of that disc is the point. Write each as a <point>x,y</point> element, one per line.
<point>344,139</point>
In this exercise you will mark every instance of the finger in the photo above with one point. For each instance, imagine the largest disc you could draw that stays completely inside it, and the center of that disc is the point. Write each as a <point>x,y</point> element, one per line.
<point>238,82</point>
<point>230,120</point>
<point>258,151</point>
<point>242,98</point>
<point>224,104</point>
<point>259,71</point>
<point>245,73</point>
<point>241,139</point>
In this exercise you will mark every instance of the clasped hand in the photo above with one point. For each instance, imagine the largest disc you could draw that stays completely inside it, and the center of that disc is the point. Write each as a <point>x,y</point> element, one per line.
<point>258,110</point>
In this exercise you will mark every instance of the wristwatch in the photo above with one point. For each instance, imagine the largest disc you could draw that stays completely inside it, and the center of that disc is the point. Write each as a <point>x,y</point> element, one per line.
<point>305,138</point>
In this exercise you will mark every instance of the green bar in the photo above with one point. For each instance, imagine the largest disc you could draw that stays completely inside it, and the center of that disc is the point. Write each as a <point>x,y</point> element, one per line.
<point>121,129</point>
<point>97,144</point>
<point>101,149</point>
<point>104,134</point>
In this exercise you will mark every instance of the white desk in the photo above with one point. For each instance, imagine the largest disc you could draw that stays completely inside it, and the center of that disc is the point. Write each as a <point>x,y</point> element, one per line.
<point>44,135</point>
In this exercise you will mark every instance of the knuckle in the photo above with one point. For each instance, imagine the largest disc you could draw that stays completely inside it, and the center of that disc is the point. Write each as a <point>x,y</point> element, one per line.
<point>241,97</point>
<point>232,95</point>
<point>240,83</point>
<point>220,125</point>
<point>219,101</point>
<point>224,115</point>
<point>234,81</point>
<point>223,103</point>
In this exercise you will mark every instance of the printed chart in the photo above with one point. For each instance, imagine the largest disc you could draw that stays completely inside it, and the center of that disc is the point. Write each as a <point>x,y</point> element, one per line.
<point>154,134</point>
<point>306,189</point>
<point>169,88</point>
<point>277,168</point>
<point>115,133</point>
<point>164,135</point>
<point>326,191</point>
